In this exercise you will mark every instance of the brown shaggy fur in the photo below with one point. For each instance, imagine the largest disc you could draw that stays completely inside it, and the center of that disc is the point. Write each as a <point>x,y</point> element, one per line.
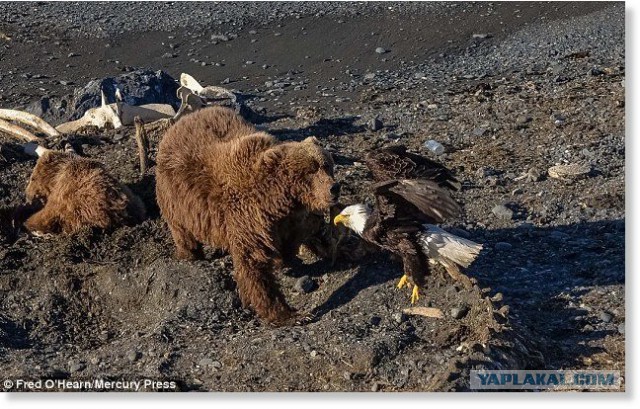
<point>222,183</point>
<point>78,192</point>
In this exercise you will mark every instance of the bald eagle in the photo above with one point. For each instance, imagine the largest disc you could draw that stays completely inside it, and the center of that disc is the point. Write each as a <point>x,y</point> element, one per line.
<point>412,195</point>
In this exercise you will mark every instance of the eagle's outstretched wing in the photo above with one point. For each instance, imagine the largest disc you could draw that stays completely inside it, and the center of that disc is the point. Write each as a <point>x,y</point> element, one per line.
<point>394,162</point>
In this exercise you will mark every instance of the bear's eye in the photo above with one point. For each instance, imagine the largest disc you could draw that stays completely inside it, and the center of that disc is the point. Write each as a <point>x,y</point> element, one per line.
<point>314,166</point>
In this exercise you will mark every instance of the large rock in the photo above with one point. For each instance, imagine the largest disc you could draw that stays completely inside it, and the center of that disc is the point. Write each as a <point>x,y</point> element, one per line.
<point>137,88</point>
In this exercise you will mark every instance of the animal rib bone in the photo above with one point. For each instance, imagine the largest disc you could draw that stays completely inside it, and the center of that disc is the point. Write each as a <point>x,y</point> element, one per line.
<point>428,312</point>
<point>29,119</point>
<point>17,132</point>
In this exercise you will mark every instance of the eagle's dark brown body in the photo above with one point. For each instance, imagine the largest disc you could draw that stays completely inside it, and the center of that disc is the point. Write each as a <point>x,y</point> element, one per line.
<point>411,191</point>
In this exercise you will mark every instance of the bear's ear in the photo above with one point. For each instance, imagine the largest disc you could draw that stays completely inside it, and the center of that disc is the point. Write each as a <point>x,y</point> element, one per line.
<point>270,159</point>
<point>312,140</point>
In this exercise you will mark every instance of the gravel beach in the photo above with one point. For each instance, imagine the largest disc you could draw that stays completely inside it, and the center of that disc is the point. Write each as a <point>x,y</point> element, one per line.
<point>527,99</point>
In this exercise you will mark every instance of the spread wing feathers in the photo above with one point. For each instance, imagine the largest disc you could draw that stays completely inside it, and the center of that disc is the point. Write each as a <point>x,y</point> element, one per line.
<point>409,203</point>
<point>394,162</point>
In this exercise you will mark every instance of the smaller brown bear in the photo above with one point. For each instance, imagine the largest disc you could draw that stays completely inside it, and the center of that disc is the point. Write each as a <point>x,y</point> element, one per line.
<point>221,182</point>
<point>77,192</point>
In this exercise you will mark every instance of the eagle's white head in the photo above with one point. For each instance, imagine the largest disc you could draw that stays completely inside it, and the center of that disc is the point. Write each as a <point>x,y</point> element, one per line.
<point>354,217</point>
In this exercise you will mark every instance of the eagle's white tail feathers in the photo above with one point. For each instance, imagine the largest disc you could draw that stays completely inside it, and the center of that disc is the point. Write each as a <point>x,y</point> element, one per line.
<point>444,247</point>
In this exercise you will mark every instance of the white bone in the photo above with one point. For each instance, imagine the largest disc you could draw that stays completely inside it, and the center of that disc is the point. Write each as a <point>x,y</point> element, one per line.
<point>17,132</point>
<point>103,98</point>
<point>29,119</point>
<point>188,81</point>
<point>118,115</point>
<point>148,113</point>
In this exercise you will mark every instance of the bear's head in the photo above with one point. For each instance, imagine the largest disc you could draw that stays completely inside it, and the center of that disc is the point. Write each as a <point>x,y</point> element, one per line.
<point>307,170</point>
<point>44,175</point>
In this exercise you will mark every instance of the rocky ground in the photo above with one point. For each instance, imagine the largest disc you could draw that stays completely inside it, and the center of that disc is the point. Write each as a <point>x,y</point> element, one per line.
<point>509,89</point>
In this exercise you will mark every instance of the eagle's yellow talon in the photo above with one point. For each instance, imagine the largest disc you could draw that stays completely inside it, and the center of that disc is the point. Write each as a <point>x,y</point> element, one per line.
<point>415,294</point>
<point>403,281</point>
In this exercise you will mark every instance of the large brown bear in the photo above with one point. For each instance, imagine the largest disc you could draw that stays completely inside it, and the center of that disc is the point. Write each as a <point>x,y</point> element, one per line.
<point>77,192</point>
<point>222,183</point>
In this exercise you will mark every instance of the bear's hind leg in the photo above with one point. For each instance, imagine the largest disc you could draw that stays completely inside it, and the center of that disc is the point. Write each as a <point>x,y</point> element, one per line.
<point>187,247</point>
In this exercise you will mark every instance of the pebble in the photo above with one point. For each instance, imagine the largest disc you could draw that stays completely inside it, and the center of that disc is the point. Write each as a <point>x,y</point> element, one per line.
<point>459,312</point>
<point>313,353</point>
<point>556,68</point>
<point>375,124</point>
<point>219,37</point>
<point>369,76</point>
<point>204,362</point>
<point>587,153</point>
<point>380,50</point>
<point>434,146</point>
<point>534,175</point>
<point>375,387</point>
<point>621,329</point>
<point>133,356</point>
<point>502,212</point>
<point>76,366</point>
<point>304,285</point>
<point>481,36</point>
<point>480,131</point>
<point>523,119</point>
<point>419,75</point>
<point>503,246</point>
<point>399,317</point>
<point>605,316</point>
<point>572,170</point>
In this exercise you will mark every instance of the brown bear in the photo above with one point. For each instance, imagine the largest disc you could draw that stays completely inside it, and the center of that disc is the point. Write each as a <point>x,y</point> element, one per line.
<point>77,192</point>
<point>223,183</point>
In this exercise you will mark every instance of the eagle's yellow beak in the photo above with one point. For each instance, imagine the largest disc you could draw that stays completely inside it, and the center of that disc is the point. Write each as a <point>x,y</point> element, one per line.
<point>341,218</point>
